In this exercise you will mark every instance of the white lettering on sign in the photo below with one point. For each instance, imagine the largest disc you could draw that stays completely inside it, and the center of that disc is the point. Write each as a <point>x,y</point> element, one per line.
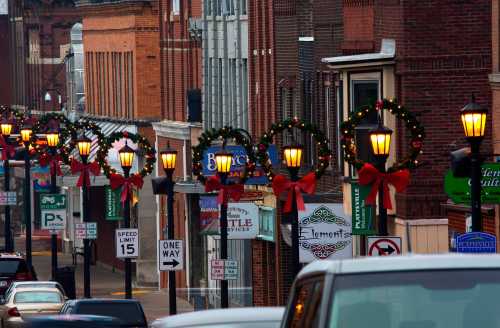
<point>127,243</point>
<point>224,270</point>
<point>170,255</point>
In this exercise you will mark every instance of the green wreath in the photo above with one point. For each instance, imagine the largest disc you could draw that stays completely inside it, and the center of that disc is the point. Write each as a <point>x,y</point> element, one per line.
<point>209,136</point>
<point>417,132</point>
<point>144,146</point>
<point>66,133</point>
<point>324,152</point>
<point>82,125</point>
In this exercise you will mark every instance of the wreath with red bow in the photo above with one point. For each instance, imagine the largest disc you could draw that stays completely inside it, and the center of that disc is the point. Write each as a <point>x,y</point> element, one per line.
<point>226,133</point>
<point>67,132</point>
<point>282,184</point>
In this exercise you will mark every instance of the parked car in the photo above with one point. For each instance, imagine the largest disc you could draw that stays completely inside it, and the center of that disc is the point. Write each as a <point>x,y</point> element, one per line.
<point>73,321</point>
<point>13,267</point>
<point>35,284</point>
<point>428,291</point>
<point>25,302</point>
<point>250,317</point>
<point>130,312</point>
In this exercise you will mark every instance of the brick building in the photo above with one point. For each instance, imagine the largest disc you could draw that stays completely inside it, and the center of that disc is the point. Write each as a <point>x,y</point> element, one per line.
<point>433,57</point>
<point>122,93</point>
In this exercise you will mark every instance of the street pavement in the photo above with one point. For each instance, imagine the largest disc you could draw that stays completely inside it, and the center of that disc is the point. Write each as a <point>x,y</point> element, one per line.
<point>106,283</point>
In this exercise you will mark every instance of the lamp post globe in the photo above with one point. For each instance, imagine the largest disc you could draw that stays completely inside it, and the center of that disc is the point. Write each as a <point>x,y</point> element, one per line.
<point>53,138</point>
<point>26,133</point>
<point>83,145</point>
<point>6,128</point>
<point>168,159</point>
<point>126,155</point>
<point>223,161</point>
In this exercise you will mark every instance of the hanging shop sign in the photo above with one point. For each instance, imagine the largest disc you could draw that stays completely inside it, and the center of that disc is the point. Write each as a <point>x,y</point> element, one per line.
<point>209,214</point>
<point>325,232</point>
<point>362,215</point>
<point>239,162</point>
<point>41,178</point>
<point>113,210</point>
<point>458,189</point>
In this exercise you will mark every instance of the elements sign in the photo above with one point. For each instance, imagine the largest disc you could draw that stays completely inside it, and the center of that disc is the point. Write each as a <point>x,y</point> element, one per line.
<point>476,242</point>
<point>53,210</point>
<point>171,255</point>
<point>127,243</point>
<point>362,215</point>
<point>224,270</point>
<point>324,233</point>
<point>8,198</point>
<point>458,189</point>
<point>384,246</point>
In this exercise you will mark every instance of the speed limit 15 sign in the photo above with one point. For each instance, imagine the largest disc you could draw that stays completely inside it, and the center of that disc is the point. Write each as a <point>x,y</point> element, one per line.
<point>127,243</point>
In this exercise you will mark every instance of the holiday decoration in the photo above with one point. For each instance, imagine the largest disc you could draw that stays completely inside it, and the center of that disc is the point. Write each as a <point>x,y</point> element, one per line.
<point>128,185</point>
<point>226,192</point>
<point>85,170</point>
<point>307,184</point>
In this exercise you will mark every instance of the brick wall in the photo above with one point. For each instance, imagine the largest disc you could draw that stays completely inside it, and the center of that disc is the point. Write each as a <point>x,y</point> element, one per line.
<point>6,84</point>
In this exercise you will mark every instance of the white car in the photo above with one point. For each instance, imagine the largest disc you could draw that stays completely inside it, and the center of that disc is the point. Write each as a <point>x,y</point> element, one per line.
<point>250,317</point>
<point>420,291</point>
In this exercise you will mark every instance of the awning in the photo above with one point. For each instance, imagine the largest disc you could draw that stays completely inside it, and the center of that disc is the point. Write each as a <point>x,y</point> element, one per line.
<point>387,54</point>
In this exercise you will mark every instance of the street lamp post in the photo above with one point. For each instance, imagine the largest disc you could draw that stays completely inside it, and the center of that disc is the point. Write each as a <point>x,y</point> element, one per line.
<point>6,129</point>
<point>53,143</point>
<point>293,156</point>
<point>380,140</point>
<point>474,124</point>
<point>168,158</point>
<point>26,133</point>
<point>84,144</point>
<point>223,160</point>
<point>126,159</point>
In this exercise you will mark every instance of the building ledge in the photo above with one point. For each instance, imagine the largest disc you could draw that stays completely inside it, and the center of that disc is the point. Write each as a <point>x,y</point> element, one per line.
<point>137,122</point>
<point>487,210</point>
<point>87,3</point>
<point>386,55</point>
<point>494,78</point>
<point>175,129</point>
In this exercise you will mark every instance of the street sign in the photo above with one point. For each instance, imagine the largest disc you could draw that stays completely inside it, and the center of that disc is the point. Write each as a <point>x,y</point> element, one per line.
<point>53,211</point>
<point>476,242</point>
<point>171,255</point>
<point>224,270</point>
<point>86,230</point>
<point>458,189</point>
<point>384,246</point>
<point>362,215</point>
<point>127,243</point>
<point>113,204</point>
<point>8,198</point>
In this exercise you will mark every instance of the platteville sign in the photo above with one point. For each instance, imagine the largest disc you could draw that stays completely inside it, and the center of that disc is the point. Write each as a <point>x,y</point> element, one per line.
<point>362,215</point>
<point>458,189</point>
<point>238,165</point>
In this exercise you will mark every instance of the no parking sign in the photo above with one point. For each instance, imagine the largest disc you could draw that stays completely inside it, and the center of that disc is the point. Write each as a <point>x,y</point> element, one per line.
<point>384,246</point>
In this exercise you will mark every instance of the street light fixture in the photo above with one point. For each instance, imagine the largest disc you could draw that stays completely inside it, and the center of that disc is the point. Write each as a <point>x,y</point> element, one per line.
<point>26,133</point>
<point>53,139</point>
<point>474,123</point>
<point>53,142</point>
<point>380,141</point>
<point>126,155</point>
<point>223,161</point>
<point>84,144</point>
<point>6,130</point>
<point>168,159</point>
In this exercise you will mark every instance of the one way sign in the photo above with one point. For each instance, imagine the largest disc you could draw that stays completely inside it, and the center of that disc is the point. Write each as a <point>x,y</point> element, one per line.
<point>170,255</point>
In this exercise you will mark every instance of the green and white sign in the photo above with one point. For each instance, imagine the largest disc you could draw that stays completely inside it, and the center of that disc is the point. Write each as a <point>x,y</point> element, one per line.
<point>362,215</point>
<point>113,205</point>
<point>53,210</point>
<point>458,189</point>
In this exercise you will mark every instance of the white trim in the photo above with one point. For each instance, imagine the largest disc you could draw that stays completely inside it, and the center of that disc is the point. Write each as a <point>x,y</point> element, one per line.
<point>306,38</point>
<point>422,222</point>
<point>174,129</point>
<point>387,52</point>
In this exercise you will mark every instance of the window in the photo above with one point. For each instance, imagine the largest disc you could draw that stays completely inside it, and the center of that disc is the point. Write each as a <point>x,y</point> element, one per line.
<point>37,297</point>
<point>176,7</point>
<point>306,304</point>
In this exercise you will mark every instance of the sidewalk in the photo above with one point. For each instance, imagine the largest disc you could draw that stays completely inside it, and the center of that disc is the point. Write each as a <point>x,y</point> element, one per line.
<point>108,284</point>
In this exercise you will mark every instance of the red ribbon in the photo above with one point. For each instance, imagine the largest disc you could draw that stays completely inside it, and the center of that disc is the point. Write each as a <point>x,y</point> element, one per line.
<point>368,174</point>
<point>8,151</point>
<point>128,184</point>
<point>85,171</point>
<point>226,192</point>
<point>307,184</point>
<point>53,161</point>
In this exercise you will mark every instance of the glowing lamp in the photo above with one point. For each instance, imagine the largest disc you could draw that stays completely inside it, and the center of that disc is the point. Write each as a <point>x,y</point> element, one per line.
<point>126,156</point>
<point>473,120</point>
<point>292,156</point>
<point>6,128</point>
<point>26,132</point>
<point>53,138</point>
<point>380,140</point>
<point>84,144</point>
<point>223,160</point>
<point>168,158</point>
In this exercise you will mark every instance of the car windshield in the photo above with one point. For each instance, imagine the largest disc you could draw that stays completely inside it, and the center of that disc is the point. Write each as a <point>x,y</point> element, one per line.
<point>128,313</point>
<point>37,297</point>
<point>10,266</point>
<point>439,299</point>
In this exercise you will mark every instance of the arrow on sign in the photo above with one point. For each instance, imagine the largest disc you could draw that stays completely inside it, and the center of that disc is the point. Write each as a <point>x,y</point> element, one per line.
<point>172,263</point>
<point>388,250</point>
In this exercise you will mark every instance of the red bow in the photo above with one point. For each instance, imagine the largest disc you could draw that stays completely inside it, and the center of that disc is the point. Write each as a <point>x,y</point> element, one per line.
<point>86,170</point>
<point>368,174</point>
<point>53,160</point>
<point>8,151</point>
<point>307,184</point>
<point>117,181</point>
<point>234,191</point>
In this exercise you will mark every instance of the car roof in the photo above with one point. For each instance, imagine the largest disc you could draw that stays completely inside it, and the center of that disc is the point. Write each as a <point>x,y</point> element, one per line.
<point>103,300</point>
<point>403,263</point>
<point>220,316</point>
<point>37,289</point>
<point>35,282</point>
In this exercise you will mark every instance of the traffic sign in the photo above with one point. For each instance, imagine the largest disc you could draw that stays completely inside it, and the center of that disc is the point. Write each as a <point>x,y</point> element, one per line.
<point>476,242</point>
<point>53,211</point>
<point>171,255</point>
<point>127,243</point>
<point>384,246</point>
<point>86,230</point>
<point>8,198</point>
<point>91,230</point>
<point>224,270</point>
